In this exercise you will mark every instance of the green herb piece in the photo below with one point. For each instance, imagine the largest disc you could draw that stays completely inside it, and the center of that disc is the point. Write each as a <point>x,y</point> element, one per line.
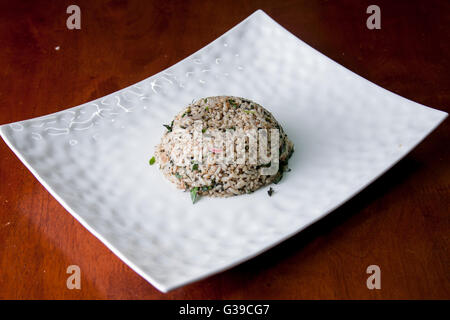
<point>152,161</point>
<point>169,128</point>
<point>204,130</point>
<point>279,177</point>
<point>195,167</point>
<point>249,111</point>
<point>194,194</point>
<point>206,188</point>
<point>207,108</point>
<point>177,175</point>
<point>205,100</point>
<point>183,115</point>
<point>233,103</point>
<point>270,191</point>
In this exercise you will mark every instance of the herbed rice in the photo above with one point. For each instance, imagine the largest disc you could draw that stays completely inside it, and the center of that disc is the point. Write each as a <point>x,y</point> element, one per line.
<point>220,179</point>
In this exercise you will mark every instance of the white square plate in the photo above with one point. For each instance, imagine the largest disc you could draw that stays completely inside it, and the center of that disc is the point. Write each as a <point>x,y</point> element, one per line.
<point>93,158</point>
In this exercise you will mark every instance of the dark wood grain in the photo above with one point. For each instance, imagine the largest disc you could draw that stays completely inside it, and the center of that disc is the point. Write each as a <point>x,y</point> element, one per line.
<point>401,222</point>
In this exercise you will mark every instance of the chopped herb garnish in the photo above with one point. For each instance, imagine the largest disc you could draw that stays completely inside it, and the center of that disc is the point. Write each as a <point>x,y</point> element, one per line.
<point>183,115</point>
<point>194,194</point>
<point>204,130</point>
<point>152,161</point>
<point>270,191</point>
<point>195,167</point>
<point>169,128</point>
<point>233,103</point>
<point>177,175</point>
<point>279,176</point>
<point>249,111</point>
<point>207,108</point>
<point>205,100</point>
<point>206,188</point>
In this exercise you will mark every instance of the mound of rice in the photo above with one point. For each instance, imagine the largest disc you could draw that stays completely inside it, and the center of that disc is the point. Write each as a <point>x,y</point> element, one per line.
<point>220,179</point>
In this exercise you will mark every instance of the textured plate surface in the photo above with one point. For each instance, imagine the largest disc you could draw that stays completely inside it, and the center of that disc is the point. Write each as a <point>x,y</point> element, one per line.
<point>94,158</point>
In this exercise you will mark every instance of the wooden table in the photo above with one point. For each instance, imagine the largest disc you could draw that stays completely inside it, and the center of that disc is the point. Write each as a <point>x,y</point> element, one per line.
<point>400,223</point>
